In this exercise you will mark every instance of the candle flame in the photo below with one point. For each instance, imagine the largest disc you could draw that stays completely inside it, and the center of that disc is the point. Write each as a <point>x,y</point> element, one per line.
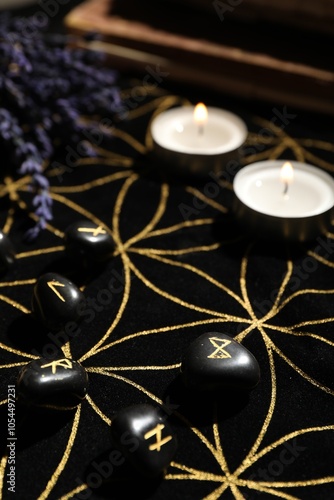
<point>286,175</point>
<point>200,114</point>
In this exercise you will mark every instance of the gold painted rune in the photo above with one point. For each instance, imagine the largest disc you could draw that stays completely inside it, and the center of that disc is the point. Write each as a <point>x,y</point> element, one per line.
<point>97,230</point>
<point>52,285</point>
<point>219,353</point>
<point>64,363</point>
<point>159,442</point>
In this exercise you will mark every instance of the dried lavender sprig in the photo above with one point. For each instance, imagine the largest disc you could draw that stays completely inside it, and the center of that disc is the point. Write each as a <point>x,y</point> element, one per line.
<point>45,86</point>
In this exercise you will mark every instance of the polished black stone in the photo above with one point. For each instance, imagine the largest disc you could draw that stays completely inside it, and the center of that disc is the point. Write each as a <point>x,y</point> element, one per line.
<point>56,301</point>
<point>145,438</point>
<point>7,253</point>
<point>88,242</point>
<point>215,361</point>
<point>60,383</point>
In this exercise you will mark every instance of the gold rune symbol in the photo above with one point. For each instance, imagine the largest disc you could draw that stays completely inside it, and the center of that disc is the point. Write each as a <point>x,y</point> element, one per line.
<point>52,285</point>
<point>97,230</point>
<point>219,353</point>
<point>64,363</point>
<point>160,442</point>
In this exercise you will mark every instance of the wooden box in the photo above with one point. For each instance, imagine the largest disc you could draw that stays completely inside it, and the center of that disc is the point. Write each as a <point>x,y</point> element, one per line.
<point>240,54</point>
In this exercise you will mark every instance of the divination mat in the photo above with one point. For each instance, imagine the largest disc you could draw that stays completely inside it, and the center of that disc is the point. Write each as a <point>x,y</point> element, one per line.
<point>181,267</point>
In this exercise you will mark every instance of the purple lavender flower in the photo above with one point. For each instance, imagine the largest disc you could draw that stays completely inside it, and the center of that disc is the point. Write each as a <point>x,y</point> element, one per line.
<point>45,88</point>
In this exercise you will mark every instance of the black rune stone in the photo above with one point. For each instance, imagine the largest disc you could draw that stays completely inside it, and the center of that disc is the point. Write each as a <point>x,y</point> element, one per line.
<point>88,242</point>
<point>60,383</point>
<point>7,253</point>
<point>144,437</point>
<point>55,301</point>
<point>215,361</point>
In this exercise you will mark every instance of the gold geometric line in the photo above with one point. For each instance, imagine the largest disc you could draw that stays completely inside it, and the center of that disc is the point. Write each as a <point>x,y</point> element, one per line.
<point>125,299</point>
<point>299,484</point>
<point>16,351</point>
<point>201,475</point>
<point>40,251</point>
<point>77,208</point>
<point>191,477</point>
<point>129,139</point>
<point>12,187</point>
<point>3,402</point>
<point>14,304</point>
<point>284,284</point>
<point>127,381</point>
<point>183,251</point>
<point>61,466</point>
<point>181,225</point>
<point>98,411</point>
<point>30,281</point>
<point>314,143</point>
<point>237,494</point>
<point>263,122</point>
<point>136,368</point>
<point>254,138</point>
<point>71,494</point>
<point>320,259</point>
<point>110,161</point>
<point>243,334</point>
<point>152,396</point>
<point>10,216</point>
<point>262,487</point>
<point>312,322</point>
<point>207,200</point>
<point>162,330</point>
<point>299,371</point>
<point>218,444</point>
<point>13,365</point>
<point>289,331</point>
<point>318,161</point>
<point>101,181</point>
<point>303,292</point>
<point>297,149</point>
<point>155,104</point>
<point>217,493</point>
<point>172,298</point>
<point>268,418</point>
<point>118,207</point>
<point>197,271</point>
<point>277,151</point>
<point>263,155</point>
<point>282,440</point>
<point>3,465</point>
<point>155,219</point>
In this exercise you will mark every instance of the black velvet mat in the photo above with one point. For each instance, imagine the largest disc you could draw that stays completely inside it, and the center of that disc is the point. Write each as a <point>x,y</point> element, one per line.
<point>181,267</point>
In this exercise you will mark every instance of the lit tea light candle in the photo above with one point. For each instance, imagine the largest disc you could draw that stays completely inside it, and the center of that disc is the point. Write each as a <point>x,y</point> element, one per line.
<point>196,140</point>
<point>284,200</point>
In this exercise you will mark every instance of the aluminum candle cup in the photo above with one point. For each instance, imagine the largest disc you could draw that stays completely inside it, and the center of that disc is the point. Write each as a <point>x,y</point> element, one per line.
<point>283,200</point>
<point>194,141</point>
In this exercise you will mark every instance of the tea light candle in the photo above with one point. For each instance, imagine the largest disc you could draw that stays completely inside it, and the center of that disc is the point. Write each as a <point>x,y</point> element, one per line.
<point>284,200</point>
<point>196,140</point>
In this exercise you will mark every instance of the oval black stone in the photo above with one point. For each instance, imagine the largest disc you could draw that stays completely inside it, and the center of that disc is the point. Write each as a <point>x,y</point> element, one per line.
<point>88,242</point>
<point>145,438</point>
<point>215,360</point>
<point>7,253</point>
<point>56,301</point>
<point>61,383</point>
